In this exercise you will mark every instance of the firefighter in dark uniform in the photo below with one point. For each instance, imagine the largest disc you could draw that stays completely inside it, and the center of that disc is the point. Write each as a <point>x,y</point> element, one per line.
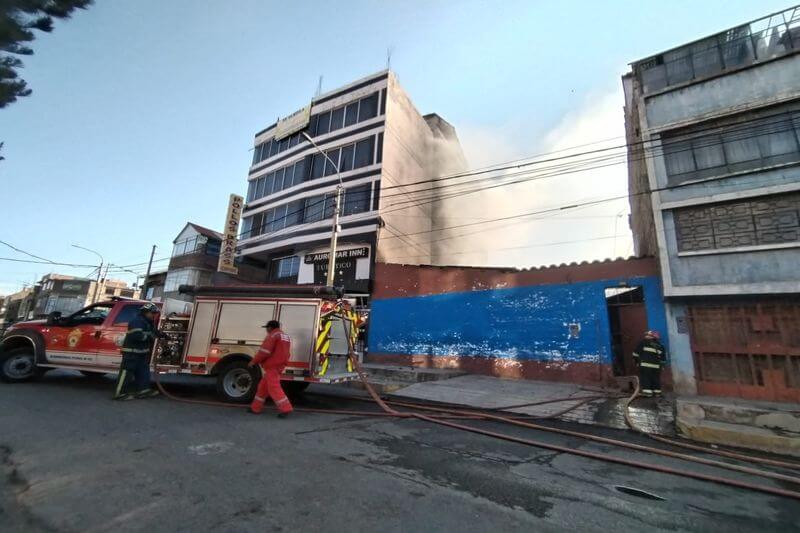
<point>650,356</point>
<point>136,349</point>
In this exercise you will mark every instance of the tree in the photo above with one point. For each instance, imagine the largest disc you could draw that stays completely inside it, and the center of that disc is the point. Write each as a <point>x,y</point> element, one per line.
<point>18,20</point>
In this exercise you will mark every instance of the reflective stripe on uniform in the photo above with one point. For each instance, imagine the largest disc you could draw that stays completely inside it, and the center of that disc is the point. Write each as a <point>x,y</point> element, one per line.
<point>120,381</point>
<point>650,365</point>
<point>264,350</point>
<point>135,350</point>
<point>282,401</point>
<point>135,330</point>
<point>650,349</point>
<point>260,399</point>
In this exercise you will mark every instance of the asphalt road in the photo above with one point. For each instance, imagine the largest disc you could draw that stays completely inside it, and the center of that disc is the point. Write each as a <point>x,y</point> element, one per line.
<point>72,460</point>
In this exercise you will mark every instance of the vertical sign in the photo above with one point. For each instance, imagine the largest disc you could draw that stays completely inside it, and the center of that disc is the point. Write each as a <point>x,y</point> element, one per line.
<point>227,254</point>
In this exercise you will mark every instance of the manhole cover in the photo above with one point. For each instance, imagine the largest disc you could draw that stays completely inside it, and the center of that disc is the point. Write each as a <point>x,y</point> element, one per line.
<point>637,492</point>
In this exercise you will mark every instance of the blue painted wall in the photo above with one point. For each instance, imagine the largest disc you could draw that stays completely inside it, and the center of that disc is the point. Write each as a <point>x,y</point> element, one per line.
<point>524,323</point>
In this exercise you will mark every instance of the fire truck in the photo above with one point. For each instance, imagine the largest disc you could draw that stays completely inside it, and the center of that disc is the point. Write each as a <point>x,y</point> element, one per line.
<point>218,338</point>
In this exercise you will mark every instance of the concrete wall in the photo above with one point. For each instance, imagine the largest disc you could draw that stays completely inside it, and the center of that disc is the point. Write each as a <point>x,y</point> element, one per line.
<point>505,322</point>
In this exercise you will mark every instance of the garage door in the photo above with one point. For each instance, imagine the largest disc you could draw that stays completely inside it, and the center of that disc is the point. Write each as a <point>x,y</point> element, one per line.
<point>747,349</point>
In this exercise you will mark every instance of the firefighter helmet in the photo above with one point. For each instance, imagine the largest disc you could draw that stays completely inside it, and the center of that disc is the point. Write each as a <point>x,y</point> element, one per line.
<point>149,308</point>
<point>652,333</point>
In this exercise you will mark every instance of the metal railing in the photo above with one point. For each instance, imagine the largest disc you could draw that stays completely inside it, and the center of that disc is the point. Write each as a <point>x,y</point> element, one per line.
<point>768,37</point>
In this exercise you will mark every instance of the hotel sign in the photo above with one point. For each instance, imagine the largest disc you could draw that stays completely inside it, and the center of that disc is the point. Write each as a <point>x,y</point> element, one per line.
<point>293,123</point>
<point>354,253</point>
<point>227,254</point>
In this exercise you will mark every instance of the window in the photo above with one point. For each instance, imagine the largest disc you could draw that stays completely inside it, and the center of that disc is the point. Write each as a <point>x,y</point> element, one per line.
<point>260,187</point>
<point>357,199</point>
<point>379,157</point>
<point>287,267</point>
<point>258,224</point>
<point>364,151</point>
<point>337,118</point>
<point>314,209</point>
<point>251,190</point>
<point>293,140</point>
<point>346,161</point>
<point>213,247</point>
<point>278,185</point>
<point>324,123</point>
<point>351,114</point>
<point>126,293</point>
<point>317,166</point>
<point>126,314</point>
<point>284,144</point>
<point>178,277</point>
<point>294,213</point>
<point>299,172</point>
<point>188,246</point>
<point>368,107</point>
<point>109,291</point>
<point>331,162</point>
<point>377,196</point>
<point>749,143</point>
<point>91,315</point>
<point>757,221</point>
<point>273,147</point>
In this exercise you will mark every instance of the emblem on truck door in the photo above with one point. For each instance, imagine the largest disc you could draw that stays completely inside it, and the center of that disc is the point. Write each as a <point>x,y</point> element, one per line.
<point>74,337</point>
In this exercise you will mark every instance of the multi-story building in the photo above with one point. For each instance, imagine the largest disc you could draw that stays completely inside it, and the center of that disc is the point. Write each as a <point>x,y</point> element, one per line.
<point>372,133</point>
<point>713,130</point>
<point>194,261</point>
<point>67,294</point>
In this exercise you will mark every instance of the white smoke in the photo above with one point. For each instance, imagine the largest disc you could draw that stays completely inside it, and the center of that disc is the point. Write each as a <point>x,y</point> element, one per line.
<point>527,242</point>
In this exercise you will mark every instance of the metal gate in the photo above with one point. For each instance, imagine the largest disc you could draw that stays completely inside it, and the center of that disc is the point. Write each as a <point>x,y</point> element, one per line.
<point>747,349</point>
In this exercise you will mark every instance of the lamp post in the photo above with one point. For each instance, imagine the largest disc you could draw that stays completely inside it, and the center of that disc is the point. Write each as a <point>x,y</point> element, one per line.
<point>336,212</point>
<point>99,270</point>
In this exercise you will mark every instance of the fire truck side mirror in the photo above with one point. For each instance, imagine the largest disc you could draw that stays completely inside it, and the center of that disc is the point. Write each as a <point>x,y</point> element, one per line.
<point>53,318</point>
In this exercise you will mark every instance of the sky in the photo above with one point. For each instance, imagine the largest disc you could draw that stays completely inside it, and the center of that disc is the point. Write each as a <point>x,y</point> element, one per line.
<point>143,112</point>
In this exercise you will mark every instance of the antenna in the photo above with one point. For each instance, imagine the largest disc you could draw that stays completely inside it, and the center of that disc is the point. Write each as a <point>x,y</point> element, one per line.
<point>389,52</point>
<point>319,86</point>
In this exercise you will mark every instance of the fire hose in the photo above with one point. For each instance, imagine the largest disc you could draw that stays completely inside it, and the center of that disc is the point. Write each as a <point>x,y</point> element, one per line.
<point>447,416</point>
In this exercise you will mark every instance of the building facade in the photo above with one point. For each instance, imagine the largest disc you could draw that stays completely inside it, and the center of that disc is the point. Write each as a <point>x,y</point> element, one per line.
<point>713,129</point>
<point>194,261</point>
<point>371,131</point>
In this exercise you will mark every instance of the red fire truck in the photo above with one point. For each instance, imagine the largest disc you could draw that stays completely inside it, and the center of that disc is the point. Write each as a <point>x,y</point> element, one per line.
<point>218,338</point>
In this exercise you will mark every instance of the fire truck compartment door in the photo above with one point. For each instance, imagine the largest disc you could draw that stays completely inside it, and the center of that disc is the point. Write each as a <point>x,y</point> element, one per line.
<point>244,321</point>
<point>200,335</point>
<point>299,321</point>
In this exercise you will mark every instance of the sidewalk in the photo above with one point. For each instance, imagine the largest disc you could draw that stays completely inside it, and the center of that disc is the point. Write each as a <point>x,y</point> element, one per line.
<point>650,415</point>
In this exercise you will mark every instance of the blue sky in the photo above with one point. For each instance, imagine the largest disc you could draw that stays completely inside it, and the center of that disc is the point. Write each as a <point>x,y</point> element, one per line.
<point>143,112</point>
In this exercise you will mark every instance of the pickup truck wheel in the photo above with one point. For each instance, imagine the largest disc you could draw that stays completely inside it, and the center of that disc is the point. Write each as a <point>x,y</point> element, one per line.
<point>18,365</point>
<point>236,383</point>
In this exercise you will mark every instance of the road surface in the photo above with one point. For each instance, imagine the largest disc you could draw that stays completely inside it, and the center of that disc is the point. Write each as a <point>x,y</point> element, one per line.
<point>72,460</point>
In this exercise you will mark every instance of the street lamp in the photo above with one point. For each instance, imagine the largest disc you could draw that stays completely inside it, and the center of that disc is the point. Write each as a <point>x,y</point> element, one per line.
<point>336,210</point>
<point>99,270</point>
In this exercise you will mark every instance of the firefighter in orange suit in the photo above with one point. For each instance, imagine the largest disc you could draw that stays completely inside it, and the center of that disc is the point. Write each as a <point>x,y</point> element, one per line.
<point>272,356</point>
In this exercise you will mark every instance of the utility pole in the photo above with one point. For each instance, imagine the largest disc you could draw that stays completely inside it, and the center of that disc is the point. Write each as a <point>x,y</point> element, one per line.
<point>336,212</point>
<point>99,271</point>
<point>143,293</point>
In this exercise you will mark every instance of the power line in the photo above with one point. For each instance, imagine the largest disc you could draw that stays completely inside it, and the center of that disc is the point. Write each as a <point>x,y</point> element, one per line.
<point>576,166</point>
<point>26,253</point>
<point>45,263</point>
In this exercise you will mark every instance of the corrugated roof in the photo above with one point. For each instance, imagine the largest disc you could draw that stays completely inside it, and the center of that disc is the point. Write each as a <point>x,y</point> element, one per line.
<point>538,268</point>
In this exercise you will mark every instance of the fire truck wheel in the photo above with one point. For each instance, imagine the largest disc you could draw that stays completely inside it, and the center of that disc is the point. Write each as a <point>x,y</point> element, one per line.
<point>18,365</point>
<point>236,383</point>
<point>295,388</point>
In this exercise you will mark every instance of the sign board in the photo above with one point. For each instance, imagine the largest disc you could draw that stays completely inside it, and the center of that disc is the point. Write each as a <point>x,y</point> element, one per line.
<point>293,123</point>
<point>227,254</point>
<point>345,267</point>
<point>354,253</point>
